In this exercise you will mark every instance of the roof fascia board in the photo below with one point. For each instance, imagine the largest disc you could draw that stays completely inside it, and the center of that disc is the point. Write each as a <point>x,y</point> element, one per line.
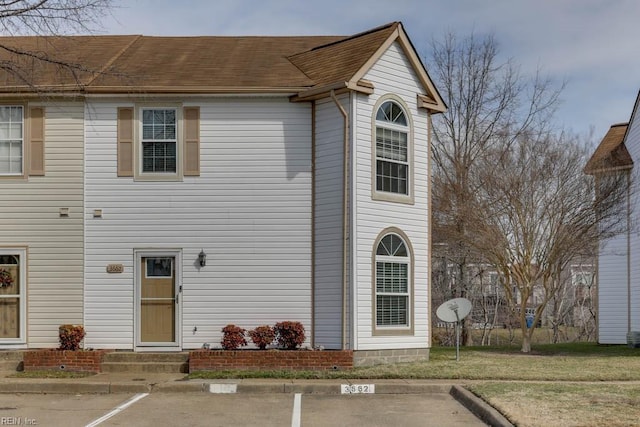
<point>41,95</point>
<point>604,170</point>
<point>177,95</point>
<point>632,118</point>
<point>322,91</point>
<point>399,35</point>
<point>190,90</point>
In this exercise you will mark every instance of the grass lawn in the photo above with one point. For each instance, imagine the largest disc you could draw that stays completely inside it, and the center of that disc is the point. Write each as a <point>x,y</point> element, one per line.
<point>548,362</point>
<point>578,384</point>
<point>564,404</point>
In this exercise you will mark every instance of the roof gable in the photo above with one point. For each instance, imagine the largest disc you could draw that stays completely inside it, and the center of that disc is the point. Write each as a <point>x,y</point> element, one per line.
<point>345,62</point>
<point>611,153</point>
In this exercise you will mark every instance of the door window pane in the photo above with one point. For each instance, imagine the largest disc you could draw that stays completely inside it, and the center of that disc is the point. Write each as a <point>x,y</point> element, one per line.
<point>159,267</point>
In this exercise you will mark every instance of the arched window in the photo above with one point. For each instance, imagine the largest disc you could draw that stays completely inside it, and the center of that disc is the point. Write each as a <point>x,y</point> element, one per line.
<point>392,149</point>
<point>392,282</point>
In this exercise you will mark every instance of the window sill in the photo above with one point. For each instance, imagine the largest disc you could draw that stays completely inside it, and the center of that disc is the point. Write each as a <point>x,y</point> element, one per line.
<point>13,177</point>
<point>157,177</point>
<point>392,331</point>
<point>392,197</point>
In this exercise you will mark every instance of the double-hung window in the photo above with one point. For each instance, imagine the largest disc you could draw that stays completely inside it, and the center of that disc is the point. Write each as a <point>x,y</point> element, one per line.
<point>11,140</point>
<point>159,141</point>
<point>392,150</point>
<point>392,283</point>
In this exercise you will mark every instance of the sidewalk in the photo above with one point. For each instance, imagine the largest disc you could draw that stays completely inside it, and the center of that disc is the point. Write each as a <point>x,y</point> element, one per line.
<point>176,383</point>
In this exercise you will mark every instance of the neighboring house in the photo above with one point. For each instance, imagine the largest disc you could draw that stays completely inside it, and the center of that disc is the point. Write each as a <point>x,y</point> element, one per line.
<point>618,267</point>
<point>185,183</point>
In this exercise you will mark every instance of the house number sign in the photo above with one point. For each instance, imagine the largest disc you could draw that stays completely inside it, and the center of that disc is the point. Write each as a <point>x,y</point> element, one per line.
<point>358,388</point>
<point>115,268</point>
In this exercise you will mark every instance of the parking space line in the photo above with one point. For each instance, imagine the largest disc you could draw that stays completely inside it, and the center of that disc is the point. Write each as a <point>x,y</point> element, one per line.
<point>297,410</point>
<point>118,409</point>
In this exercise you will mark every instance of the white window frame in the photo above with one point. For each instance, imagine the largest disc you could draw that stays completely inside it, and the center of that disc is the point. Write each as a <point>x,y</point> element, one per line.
<point>20,341</point>
<point>14,140</point>
<point>393,329</point>
<point>140,174</point>
<point>379,194</point>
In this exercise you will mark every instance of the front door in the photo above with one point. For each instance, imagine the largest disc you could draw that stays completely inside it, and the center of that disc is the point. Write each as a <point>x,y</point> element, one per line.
<point>158,300</point>
<point>12,296</point>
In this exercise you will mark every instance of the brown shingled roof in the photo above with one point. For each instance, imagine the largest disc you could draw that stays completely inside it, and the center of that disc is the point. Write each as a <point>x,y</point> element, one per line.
<point>340,61</point>
<point>210,62</point>
<point>55,62</point>
<point>611,153</point>
<point>305,66</point>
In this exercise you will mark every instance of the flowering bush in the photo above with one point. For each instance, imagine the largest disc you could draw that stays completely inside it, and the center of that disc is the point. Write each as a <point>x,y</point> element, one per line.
<point>262,336</point>
<point>290,335</point>
<point>5,278</point>
<point>233,337</point>
<point>70,336</point>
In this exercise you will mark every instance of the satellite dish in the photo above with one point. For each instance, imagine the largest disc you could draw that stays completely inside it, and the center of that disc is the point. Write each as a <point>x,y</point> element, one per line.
<point>454,310</point>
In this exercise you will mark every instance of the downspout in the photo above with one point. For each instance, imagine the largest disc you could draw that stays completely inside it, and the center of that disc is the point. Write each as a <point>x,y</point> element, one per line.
<point>429,228</point>
<point>345,216</point>
<point>313,224</point>
<point>628,253</point>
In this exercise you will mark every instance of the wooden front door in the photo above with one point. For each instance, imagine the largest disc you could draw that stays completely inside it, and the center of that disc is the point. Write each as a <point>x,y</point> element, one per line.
<point>158,300</point>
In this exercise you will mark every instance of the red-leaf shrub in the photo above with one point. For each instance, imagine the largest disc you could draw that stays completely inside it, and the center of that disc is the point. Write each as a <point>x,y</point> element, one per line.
<point>290,335</point>
<point>70,336</point>
<point>233,337</point>
<point>262,336</point>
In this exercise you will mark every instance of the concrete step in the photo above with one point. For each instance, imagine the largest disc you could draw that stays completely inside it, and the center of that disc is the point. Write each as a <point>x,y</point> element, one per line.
<point>146,362</point>
<point>11,360</point>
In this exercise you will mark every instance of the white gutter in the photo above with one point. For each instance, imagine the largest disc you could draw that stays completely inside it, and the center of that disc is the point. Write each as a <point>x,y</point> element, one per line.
<point>628,253</point>
<point>345,217</point>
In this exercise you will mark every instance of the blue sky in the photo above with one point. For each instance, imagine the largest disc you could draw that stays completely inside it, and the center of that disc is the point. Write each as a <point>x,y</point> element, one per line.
<point>590,44</point>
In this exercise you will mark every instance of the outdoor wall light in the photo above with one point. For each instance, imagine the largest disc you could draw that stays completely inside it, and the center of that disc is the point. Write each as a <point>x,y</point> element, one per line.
<point>202,258</point>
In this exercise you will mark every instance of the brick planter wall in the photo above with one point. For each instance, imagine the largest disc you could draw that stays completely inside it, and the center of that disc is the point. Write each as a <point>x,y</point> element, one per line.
<point>67,360</point>
<point>221,360</point>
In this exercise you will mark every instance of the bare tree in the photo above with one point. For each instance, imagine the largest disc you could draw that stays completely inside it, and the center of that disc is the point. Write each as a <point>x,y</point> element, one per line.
<point>44,18</point>
<point>490,105</point>
<point>536,210</point>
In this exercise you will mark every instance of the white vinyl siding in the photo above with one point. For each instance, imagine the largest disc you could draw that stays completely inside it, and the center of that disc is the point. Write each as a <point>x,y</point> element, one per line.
<point>329,186</point>
<point>619,265</point>
<point>30,218</point>
<point>632,142</point>
<point>249,210</point>
<point>392,74</point>
<point>612,292</point>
